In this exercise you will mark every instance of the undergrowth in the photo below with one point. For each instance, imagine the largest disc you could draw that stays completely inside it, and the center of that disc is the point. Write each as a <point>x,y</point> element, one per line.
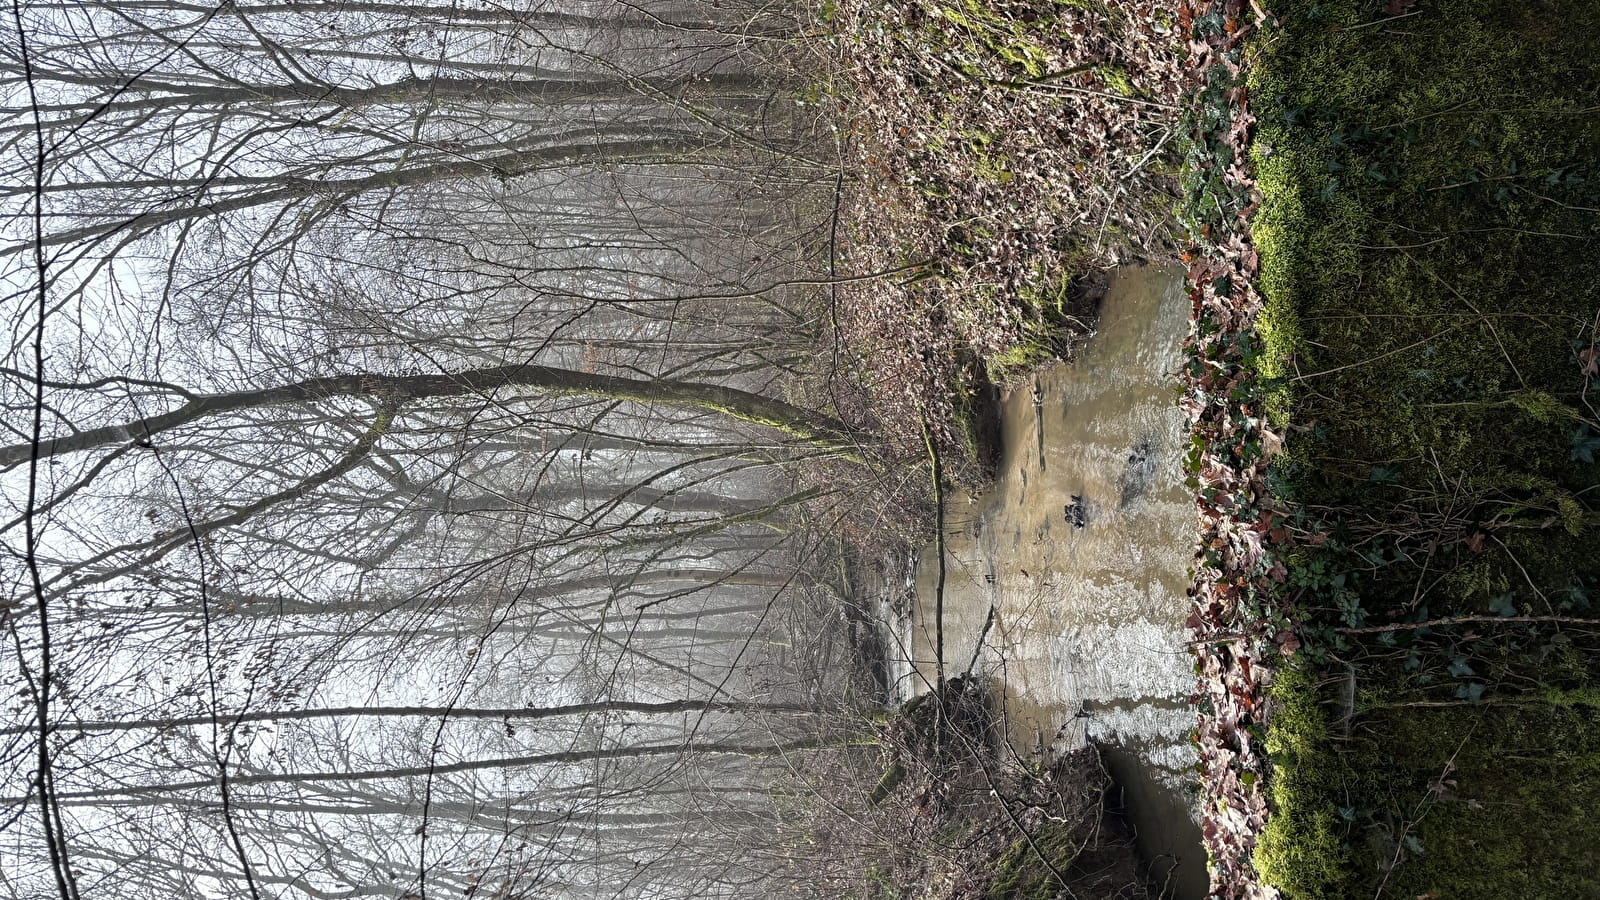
<point>998,151</point>
<point>952,818</point>
<point>1431,198</point>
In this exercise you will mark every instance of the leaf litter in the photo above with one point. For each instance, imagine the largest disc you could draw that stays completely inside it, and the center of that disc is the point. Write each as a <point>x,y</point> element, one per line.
<point>1235,630</point>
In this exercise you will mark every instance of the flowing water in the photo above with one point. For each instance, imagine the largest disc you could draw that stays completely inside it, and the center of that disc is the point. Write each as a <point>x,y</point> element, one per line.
<point>1065,580</point>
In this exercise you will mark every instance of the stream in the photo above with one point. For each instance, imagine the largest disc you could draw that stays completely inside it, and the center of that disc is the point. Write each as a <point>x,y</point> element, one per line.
<point>1065,580</point>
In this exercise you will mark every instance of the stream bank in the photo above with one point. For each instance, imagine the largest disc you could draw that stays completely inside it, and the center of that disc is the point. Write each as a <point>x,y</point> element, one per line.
<point>1064,582</point>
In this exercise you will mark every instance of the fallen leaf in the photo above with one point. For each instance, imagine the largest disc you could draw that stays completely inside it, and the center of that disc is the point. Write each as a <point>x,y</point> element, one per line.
<point>1589,361</point>
<point>1271,444</point>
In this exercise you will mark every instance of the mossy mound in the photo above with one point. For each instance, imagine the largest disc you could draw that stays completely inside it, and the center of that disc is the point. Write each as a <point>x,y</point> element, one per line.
<point>1431,201</point>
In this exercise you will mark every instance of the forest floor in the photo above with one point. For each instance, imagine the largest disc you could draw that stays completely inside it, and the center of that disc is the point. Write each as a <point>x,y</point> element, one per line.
<point>1390,209</point>
<point>956,816</point>
<point>1429,188</point>
<point>1392,377</point>
<point>999,152</point>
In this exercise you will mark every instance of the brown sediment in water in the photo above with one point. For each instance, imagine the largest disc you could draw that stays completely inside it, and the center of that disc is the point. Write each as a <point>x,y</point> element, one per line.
<point>1083,627</point>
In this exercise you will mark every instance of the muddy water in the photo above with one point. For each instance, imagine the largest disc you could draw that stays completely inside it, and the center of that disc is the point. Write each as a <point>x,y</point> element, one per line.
<point>1084,625</point>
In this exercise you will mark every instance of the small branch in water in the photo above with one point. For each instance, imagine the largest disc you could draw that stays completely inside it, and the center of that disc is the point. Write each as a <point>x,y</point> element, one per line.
<point>1038,419</point>
<point>1219,639</point>
<point>936,470</point>
<point>978,647</point>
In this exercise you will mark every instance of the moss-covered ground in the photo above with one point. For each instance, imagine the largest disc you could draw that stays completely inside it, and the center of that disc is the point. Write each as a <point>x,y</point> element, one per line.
<point>1430,258</point>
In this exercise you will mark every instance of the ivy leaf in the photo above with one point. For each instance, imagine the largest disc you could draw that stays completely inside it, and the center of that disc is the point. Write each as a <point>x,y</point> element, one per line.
<point>1503,605</point>
<point>1460,668</point>
<point>1584,444</point>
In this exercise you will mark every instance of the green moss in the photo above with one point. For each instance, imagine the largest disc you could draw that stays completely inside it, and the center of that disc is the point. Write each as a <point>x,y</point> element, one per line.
<point>1481,802</point>
<point>892,778</point>
<point>1047,333</point>
<point>1584,696</point>
<point>1301,849</point>
<point>1429,196</point>
<point>1491,822</point>
<point>1427,208</point>
<point>1019,359</point>
<point>1116,78</point>
<point>1022,872</point>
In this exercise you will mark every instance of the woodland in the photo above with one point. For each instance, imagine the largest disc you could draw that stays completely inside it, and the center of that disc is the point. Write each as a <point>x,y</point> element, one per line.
<point>447,445</point>
<point>404,489</point>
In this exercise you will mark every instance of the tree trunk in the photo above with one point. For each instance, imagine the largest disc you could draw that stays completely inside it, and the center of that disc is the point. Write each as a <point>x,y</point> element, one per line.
<point>509,713</point>
<point>745,406</point>
<point>563,757</point>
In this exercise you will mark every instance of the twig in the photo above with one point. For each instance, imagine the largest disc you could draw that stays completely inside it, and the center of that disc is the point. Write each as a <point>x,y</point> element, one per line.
<point>936,472</point>
<point>1518,563</point>
<point>1464,620</point>
<point>1165,135</point>
<point>977,648</point>
<point>1421,811</point>
<point>1415,12</point>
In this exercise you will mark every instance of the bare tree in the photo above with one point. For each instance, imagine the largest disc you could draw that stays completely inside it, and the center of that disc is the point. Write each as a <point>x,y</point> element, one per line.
<point>420,396</point>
